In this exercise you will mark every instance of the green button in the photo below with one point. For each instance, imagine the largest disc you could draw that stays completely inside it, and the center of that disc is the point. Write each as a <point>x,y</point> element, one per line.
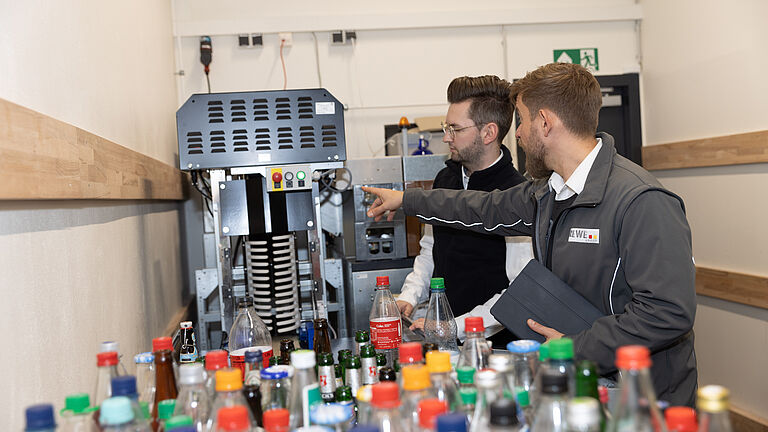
<point>301,175</point>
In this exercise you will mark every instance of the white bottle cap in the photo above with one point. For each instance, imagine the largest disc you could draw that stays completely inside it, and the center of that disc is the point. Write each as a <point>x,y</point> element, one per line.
<point>191,373</point>
<point>487,378</point>
<point>108,346</point>
<point>583,410</point>
<point>303,359</point>
<point>186,324</point>
<point>499,362</point>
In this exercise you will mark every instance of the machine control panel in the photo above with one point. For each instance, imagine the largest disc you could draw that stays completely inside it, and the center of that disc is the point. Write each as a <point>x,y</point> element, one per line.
<point>289,178</point>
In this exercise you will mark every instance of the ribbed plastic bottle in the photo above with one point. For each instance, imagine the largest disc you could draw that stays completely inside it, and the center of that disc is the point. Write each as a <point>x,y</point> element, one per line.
<point>475,351</point>
<point>583,414</point>
<point>214,360</point>
<point>386,328</point>
<point>193,399</point>
<point>439,324</point>
<point>229,386</point>
<point>637,409</point>
<point>409,354</point>
<point>467,390</point>
<point>550,411</point>
<point>489,390</point>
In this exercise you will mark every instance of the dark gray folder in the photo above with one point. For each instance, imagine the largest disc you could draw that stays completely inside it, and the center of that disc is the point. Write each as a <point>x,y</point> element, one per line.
<point>538,294</point>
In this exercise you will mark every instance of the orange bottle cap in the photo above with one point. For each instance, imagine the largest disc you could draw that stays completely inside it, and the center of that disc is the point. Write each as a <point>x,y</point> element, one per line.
<point>228,379</point>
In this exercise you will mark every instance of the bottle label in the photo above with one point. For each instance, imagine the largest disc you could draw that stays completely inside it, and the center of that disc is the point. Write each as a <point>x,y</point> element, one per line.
<point>339,382</point>
<point>310,397</point>
<point>386,333</point>
<point>327,379</point>
<point>370,370</point>
<point>253,377</point>
<point>353,380</point>
<point>188,357</point>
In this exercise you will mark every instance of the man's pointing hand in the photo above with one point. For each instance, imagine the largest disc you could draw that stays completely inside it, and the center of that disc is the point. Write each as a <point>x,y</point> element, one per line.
<point>386,202</point>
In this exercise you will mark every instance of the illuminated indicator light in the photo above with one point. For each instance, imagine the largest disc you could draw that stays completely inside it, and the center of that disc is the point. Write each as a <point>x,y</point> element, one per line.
<point>300,175</point>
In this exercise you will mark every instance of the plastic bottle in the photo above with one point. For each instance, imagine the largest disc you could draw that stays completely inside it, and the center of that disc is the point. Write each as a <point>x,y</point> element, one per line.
<point>427,347</point>
<point>526,409</point>
<point>125,385</point>
<point>229,393</point>
<point>180,422</point>
<point>253,362</point>
<point>386,413</point>
<point>305,391</point>
<point>502,363</point>
<point>164,413</point>
<point>353,373</point>
<point>386,328</point>
<point>504,416</point>
<point>713,403</point>
<point>586,386</point>
<point>489,390</point>
<point>277,420</point>
<point>370,371</point>
<point>535,393</point>
<point>410,354</point>
<point>550,412</point>
<point>145,377</point>
<point>363,400</point>
<point>583,414</point>
<point>165,381</point>
<point>40,418</point>
<point>77,414</point>
<point>188,350</point>
<point>275,385</point>
<point>233,419</point>
<point>334,416</point>
<point>193,399</point>
<point>322,340</point>
<point>116,415</point>
<point>637,409</point>
<point>561,359</point>
<point>525,362</point>
<point>439,367</point>
<point>467,390</point>
<point>361,338</point>
<point>454,422</point>
<point>439,324</point>
<point>107,364</point>
<point>214,360</point>
<point>326,376</point>
<point>108,346</point>
<point>248,330</point>
<point>416,387</point>
<point>475,351</point>
<point>429,409</point>
<point>681,419</point>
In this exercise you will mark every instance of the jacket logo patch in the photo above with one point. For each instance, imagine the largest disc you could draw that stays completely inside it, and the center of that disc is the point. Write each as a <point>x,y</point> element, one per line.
<point>584,235</point>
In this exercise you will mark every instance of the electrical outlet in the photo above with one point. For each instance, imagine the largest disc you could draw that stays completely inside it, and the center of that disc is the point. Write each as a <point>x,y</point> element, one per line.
<point>286,39</point>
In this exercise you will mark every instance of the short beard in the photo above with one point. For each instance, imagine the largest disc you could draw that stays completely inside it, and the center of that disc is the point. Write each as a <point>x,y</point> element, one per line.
<point>469,155</point>
<point>534,159</point>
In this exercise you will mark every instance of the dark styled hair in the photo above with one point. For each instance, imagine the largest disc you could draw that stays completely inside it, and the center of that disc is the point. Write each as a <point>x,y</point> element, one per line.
<point>489,95</point>
<point>569,90</point>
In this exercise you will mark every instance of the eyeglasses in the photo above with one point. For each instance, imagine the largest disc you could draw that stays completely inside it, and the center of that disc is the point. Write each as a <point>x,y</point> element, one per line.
<point>451,130</point>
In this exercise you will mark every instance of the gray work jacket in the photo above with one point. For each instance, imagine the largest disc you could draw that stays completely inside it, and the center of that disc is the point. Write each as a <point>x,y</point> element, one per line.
<point>637,268</point>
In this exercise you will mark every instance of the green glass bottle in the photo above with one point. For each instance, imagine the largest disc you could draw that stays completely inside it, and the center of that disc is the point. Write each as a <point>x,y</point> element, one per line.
<point>326,376</point>
<point>370,372</point>
<point>344,397</point>
<point>586,385</point>
<point>361,338</point>
<point>353,371</point>
<point>342,357</point>
<point>381,361</point>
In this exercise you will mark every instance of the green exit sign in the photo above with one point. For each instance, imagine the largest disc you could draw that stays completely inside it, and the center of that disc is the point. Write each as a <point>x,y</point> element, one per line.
<point>586,57</point>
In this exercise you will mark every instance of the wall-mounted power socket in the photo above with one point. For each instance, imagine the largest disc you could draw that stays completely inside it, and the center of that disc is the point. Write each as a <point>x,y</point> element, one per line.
<point>286,39</point>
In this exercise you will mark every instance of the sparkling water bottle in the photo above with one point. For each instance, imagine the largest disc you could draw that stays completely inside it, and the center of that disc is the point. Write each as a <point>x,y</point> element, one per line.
<point>439,324</point>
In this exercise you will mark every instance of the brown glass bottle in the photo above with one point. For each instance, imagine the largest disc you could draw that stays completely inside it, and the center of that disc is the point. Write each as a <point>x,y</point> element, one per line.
<point>165,382</point>
<point>286,347</point>
<point>252,393</point>
<point>322,336</point>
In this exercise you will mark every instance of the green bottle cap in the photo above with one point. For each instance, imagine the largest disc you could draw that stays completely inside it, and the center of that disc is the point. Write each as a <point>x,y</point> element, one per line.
<point>561,349</point>
<point>325,359</point>
<point>544,352</point>
<point>178,421</point>
<point>367,350</point>
<point>437,284</point>
<point>362,336</point>
<point>353,362</point>
<point>468,395</point>
<point>523,399</point>
<point>381,359</point>
<point>144,405</point>
<point>344,393</point>
<point>78,403</point>
<point>466,374</point>
<point>165,409</point>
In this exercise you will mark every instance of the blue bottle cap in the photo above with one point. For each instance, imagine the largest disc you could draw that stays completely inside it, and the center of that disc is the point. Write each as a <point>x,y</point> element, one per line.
<point>523,346</point>
<point>143,358</point>
<point>124,385</point>
<point>40,417</point>
<point>330,414</point>
<point>116,411</point>
<point>253,356</point>
<point>451,423</point>
<point>364,428</point>
<point>273,373</point>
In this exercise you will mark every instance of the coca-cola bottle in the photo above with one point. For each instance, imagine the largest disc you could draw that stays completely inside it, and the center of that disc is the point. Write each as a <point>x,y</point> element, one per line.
<point>386,328</point>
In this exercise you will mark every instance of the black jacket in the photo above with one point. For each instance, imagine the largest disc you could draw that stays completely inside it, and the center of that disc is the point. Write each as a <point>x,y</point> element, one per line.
<point>473,264</point>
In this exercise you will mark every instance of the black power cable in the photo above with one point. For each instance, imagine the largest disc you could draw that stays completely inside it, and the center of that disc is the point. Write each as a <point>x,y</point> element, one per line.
<point>206,56</point>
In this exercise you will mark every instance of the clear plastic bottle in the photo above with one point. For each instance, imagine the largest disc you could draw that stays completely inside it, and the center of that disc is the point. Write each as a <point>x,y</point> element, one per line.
<point>181,423</point>
<point>475,351</point>
<point>386,409</point>
<point>416,387</point>
<point>502,363</point>
<point>535,394</point>
<point>561,359</point>
<point>489,390</point>
<point>429,409</point>
<point>504,416</point>
<point>233,419</point>
<point>77,414</point>
<point>275,385</point>
<point>229,386</point>
<point>248,330</point>
<point>525,362</point>
<point>108,346</point>
<point>125,385</point>
<point>467,390</point>
<point>453,422</point>
<point>550,412</point>
<point>386,327</point>
<point>439,324</point>
<point>40,418</point>
<point>107,364</point>
<point>116,415</point>
<point>713,403</point>
<point>193,399</point>
<point>583,414</point>
<point>637,409</point>
<point>305,391</point>
<point>681,419</point>
<point>439,367</point>
<point>145,377</point>
<point>214,360</point>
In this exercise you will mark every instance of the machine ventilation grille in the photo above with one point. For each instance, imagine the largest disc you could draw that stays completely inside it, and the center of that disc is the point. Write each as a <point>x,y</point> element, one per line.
<point>329,136</point>
<point>194,143</point>
<point>237,110</point>
<point>262,139</point>
<point>215,111</point>
<point>284,138</point>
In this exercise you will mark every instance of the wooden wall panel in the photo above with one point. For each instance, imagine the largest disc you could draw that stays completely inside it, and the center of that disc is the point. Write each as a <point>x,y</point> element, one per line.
<point>44,158</point>
<point>735,287</point>
<point>737,149</point>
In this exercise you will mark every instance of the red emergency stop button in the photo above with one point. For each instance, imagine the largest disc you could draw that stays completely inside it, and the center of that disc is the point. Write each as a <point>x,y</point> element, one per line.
<point>277,177</point>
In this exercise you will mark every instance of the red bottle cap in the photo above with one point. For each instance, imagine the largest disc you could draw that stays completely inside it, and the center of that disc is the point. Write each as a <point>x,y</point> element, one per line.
<point>216,360</point>
<point>382,280</point>
<point>385,395</point>
<point>473,324</point>
<point>233,418</point>
<point>162,343</point>
<point>602,392</point>
<point>276,420</point>
<point>633,357</point>
<point>681,419</point>
<point>410,352</point>
<point>108,358</point>
<point>429,409</point>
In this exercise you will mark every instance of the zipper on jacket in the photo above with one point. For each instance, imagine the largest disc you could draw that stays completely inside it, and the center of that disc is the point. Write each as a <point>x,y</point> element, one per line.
<point>536,230</point>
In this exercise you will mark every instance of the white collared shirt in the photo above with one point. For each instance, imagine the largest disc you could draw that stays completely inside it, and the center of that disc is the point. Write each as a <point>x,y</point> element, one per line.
<point>465,177</point>
<point>577,180</point>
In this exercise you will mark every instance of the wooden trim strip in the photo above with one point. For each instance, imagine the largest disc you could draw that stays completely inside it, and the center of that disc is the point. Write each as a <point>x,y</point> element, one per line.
<point>743,421</point>
<point>179,316</point>
<point>43,158</point>
<point>745,148</point>
<point>736,287</point>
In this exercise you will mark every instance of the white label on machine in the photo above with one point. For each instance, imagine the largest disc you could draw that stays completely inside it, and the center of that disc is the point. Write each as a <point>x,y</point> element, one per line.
<point>325,108</point>
<point>265,157</point>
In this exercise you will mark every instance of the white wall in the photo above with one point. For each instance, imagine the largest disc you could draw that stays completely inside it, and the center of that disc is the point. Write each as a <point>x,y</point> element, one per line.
<point>74,273</point>
<point>704,76</point>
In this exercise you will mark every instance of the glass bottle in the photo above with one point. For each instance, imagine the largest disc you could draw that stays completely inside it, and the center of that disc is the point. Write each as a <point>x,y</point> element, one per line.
<point>410,354</point>
<point>342,356</point>
<point>188,350</point>
<point>381,361</point>
<point>713,403</point>
<point>385,405</point>
<point>275,386</point>
<point>361,338</point>
<point>145,377</point>
<point>322,342</point>
<point>489,389</point>
<point>439,324</point>
<point>77,414</point>
<point>583,414</point>
<point>344,397</point>
<point>502,363</point>
<point>214,360</point>
<point>229,386</point>
<point>233,419</point>
<point>286,348</point>
<point>165,381</point>
<point>193,399</point>
<point>386,328</point>
<point>253,361</point>
<point>439,367</point>
<point>40,418</point>
<point>550,412</point>
<point>277,420</point>
<point>427,347</point>
<point>416,387</point>
<point>503,416</point>
<point>429,409</point>
<point>681,419</point>
<point>125,385</point>
<point>248,330</point>
<point>354,373</point>
<point>637,409</point>
<point>561,359</point>
<point>305,391</point>
<point>369,369</point>
<point>475,351</point>
<point>338,372</point>
<point>166,343</point>
<point>387,374</point>
<point>326,376</point>
<point>586,385</point>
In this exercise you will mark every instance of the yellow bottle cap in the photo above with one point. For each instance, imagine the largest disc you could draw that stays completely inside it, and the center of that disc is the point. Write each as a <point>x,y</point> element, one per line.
<point>415,377</point>
<point>438,361</point>
<point>713,399</point>
<point>228,379</point>
<point>365,393</point>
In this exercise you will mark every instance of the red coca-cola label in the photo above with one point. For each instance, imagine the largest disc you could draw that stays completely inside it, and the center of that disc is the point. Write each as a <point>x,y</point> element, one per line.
<point>237,357</point>
<point>386,333</point>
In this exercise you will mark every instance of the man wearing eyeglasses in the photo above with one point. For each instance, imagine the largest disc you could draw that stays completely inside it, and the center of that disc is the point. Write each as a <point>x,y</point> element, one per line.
<point>475,266</point>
